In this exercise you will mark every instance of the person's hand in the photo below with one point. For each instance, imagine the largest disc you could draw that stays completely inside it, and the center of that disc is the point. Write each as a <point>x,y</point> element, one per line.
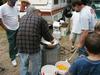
<point>52,41</point>
<point>79,45</point>
<point>50,46</point>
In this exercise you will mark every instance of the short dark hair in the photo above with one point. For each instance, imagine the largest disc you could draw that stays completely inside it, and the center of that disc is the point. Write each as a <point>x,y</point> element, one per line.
<point>92,43</point>
<point>78,3</point>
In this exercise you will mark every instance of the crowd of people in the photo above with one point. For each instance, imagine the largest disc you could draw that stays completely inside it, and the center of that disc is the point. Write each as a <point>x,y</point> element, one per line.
<point>24,37</point>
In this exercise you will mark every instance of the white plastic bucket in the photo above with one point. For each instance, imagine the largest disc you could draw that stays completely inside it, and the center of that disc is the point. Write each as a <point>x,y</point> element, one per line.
<point>64,67</point>
<point>48,70</point>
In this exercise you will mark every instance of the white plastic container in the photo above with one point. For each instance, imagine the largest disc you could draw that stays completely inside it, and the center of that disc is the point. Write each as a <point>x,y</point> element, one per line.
<point>48,70</point>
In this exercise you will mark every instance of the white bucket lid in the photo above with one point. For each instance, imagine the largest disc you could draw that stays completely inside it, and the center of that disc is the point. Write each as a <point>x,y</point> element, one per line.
<point>48,70</point>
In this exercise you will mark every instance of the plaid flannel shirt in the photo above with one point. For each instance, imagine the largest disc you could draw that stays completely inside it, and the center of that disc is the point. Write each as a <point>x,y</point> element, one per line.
<point>29,34</point>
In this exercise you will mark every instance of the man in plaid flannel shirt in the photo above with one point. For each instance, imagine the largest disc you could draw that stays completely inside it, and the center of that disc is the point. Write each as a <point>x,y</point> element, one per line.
<point>32,28</point>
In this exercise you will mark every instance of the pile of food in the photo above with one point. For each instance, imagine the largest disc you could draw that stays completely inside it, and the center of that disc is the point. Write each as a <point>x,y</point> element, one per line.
<point>62,67</point>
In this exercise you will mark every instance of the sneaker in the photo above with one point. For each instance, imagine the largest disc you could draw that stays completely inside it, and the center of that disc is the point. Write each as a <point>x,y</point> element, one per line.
<point>72,51</point>
<point>14,63</point>
<point>17,54</point>
<point>72,47</point>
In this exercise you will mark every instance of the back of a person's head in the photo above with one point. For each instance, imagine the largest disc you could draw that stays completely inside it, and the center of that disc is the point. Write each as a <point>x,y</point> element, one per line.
<point>92,43</point>
<point>97,27</point>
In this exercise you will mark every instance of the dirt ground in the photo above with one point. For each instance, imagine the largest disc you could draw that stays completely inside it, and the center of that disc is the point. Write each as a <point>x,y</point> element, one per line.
<point>4,54</point>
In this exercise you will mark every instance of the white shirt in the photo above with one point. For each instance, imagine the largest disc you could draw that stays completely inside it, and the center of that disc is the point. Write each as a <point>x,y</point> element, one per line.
<point>87,18</point>
<point>9,16</point>
<point>76,28</point>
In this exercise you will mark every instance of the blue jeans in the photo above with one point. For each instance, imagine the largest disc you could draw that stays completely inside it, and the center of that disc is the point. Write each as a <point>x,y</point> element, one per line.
<point>24,63</point>
<point>11,36</point>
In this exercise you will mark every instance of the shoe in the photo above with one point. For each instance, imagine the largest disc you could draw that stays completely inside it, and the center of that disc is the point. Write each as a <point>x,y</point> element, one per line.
<point>72,47</point>
<point>17,54</point>
<point>14,63</point>
<point>72,51</point>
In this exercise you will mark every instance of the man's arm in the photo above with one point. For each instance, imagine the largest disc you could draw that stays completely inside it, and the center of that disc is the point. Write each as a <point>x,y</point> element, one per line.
<point>45,31</point>
<point>18,18</point>
<point>82,38</point>
<point>1,22</point>
<point>2,25</point>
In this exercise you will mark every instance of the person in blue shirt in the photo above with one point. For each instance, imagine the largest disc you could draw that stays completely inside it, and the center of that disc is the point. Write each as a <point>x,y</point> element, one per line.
<point>88,65</point>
